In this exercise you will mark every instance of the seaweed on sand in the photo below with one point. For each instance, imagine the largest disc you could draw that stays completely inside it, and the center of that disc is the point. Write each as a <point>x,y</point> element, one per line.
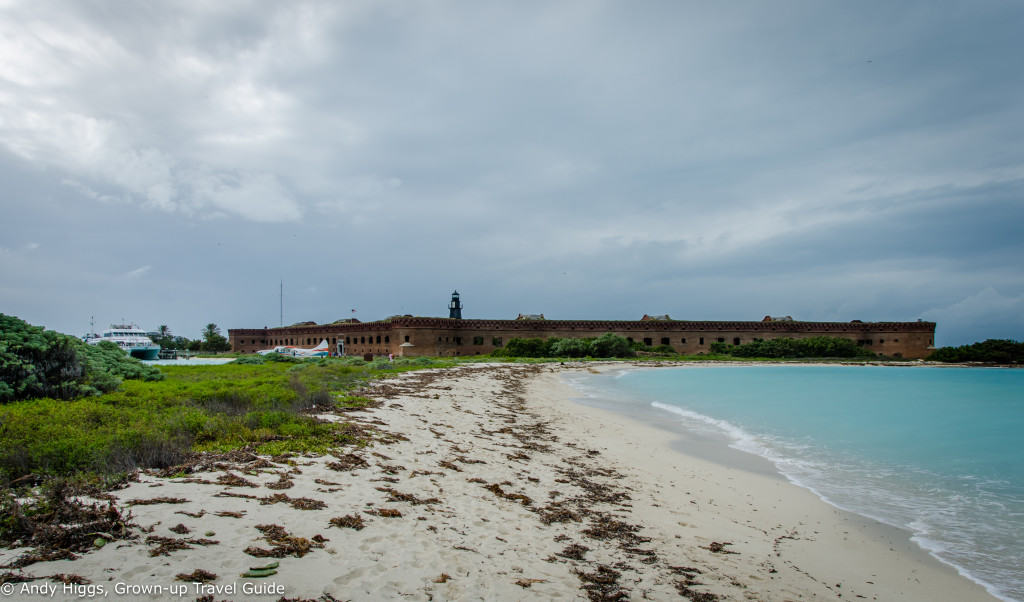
<point>284,544</point>
<point>347,462</point>
<point>352,521</point>
<point>603,584</point>
<point>158,500</point>
<point>166,545</point>
<point>496,489</point>
<point>299,503</point>
<point>57,525</point>
<point>398,496</point>
<point>197,576</point>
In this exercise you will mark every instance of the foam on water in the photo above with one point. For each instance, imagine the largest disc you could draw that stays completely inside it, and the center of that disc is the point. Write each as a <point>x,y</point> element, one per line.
<point>939,457</point>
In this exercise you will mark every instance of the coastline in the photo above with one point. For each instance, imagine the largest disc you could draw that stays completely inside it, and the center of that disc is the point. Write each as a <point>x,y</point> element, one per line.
<point>489,481</point>
<point>757,474</point>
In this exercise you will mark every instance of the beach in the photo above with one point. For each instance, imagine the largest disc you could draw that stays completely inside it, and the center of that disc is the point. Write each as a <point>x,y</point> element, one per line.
<point>489,482</point>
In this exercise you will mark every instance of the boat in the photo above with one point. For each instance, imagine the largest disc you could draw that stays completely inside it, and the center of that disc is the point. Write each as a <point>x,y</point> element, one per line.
<point>130,338</point>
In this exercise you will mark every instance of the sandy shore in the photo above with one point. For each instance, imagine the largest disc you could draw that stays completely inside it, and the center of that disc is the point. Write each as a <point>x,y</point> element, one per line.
<point>490,483</point>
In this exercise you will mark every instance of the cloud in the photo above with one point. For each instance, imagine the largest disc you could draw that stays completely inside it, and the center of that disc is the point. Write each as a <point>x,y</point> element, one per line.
<point>138,272</point>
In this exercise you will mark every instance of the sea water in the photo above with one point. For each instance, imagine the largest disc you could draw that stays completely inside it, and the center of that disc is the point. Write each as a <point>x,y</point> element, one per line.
<point>937,451</point>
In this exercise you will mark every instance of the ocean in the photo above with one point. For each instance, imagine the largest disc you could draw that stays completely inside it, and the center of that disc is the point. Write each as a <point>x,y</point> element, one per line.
<point>934,450</point>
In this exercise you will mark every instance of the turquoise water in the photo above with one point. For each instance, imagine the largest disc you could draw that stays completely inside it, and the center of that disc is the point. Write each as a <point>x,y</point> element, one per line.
<point>938,451</point>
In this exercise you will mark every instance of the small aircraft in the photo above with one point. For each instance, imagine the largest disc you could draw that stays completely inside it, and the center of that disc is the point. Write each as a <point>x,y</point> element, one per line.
<point>321,350</point>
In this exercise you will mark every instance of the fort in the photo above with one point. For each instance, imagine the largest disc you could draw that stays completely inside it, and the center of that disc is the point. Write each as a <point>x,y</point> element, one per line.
<point>452,336</point>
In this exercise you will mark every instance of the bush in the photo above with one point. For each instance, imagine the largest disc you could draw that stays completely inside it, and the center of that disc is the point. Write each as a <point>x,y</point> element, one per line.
<point>998,351</point>
<point>611,345</point>
<point>35,362</point>
<point>606,345</point>
<point>795,348</point>
<point>571,348</point>
<point>250,359</point>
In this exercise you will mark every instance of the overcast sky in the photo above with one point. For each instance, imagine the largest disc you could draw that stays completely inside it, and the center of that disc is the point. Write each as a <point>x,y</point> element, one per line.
<point>172,162</point>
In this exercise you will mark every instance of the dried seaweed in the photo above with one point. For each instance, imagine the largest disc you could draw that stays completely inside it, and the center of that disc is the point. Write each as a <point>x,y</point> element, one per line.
<point>348,462</point>
<point>574,552</point>
<point>449,465</point>
<point>299,503</point>
<point>58,525</point>
<point>602,584</point>
<point>158,500</point>
<point>525,583</point>
<point>166,545</point>
<point>232,480</point>
<point>351,521</point>
<point>282,482</point>
<point>284,544</point>
<point>385,512</point>
<point>496,489</point>
<point>230,514</point>
<point>557,512</point>
<point>719,547</point>
<point>398,496</point>
<point>197,576</point>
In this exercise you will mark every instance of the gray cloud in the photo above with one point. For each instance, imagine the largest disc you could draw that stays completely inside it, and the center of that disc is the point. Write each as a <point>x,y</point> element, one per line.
<point>578,159</point>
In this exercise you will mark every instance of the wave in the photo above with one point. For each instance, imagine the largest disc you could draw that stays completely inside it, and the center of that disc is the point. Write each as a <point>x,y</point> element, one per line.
<point>961,529</point>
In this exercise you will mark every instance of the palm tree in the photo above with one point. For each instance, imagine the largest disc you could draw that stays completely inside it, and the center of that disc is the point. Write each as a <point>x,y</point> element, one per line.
<point>164,331</point>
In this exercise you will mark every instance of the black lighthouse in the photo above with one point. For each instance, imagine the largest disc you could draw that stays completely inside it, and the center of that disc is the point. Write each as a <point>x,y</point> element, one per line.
<point>455,307</point>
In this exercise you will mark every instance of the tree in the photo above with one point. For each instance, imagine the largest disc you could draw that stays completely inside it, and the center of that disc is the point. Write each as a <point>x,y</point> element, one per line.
<point>213,340</point>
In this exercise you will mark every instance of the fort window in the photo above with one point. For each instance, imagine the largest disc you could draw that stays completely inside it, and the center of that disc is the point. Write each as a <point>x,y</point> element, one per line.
<point>648,341</point>
<point>721,339</point>
<point>880,341</point>
<point>406,338</point>
<point>378,339</point>
<point>630,339</point>
<point>458,340</point>
<point>362,340</point>
<point>347,341</point>
<point>387,338</point>
<point>735,340</point>
<point>478,340</point>
<point>664,341</point>
<point>702,340</point>
<point>438,339</point>
<point>683,340</point>
<point>496,341</point>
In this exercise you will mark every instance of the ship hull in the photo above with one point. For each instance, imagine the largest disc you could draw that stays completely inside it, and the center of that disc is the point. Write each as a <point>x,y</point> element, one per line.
<point>145,353</point>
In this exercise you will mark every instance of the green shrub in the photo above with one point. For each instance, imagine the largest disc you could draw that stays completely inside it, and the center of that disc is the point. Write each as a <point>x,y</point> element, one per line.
<point>250,359</point>
<point>998,351</point>
<point>811,347</point>
<point>35,362</point>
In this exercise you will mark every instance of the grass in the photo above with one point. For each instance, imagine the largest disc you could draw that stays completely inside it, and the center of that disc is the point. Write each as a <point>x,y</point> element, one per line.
<point>195,408</point>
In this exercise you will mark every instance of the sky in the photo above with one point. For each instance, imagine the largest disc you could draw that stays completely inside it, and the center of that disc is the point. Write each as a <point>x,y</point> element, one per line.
<point>172,163</point>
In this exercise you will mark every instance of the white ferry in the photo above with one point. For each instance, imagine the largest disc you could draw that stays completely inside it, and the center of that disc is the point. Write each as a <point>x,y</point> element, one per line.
<point>131,339</point>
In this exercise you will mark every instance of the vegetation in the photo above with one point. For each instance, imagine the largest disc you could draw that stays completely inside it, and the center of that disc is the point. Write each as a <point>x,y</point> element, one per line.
<point>213,340</point>
<point>35,362</point>
<point>997,351</point>
<point>811,347</point>
<point>606,345</point>
<point>265,403</point>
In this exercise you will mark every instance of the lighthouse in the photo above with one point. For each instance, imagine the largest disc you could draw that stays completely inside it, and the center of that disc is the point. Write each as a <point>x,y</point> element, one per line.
<point>455,307</point>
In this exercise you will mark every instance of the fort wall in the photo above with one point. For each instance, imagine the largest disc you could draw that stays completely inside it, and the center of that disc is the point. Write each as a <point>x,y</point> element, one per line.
<point>414,336</point>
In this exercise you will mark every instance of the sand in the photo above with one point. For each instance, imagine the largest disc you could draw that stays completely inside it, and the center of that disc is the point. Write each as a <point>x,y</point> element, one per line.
<point>490,483</point>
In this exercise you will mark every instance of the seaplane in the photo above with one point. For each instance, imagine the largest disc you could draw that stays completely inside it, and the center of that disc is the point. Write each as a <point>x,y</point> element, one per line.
<point>321,350</point>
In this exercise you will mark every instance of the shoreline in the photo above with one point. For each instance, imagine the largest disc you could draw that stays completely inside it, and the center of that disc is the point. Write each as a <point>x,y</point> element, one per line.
<point>696,446</point>
<point>489,481</point>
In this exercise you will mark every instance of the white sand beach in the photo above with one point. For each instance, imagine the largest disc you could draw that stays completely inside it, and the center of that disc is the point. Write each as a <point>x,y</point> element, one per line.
<point>494,485</point>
